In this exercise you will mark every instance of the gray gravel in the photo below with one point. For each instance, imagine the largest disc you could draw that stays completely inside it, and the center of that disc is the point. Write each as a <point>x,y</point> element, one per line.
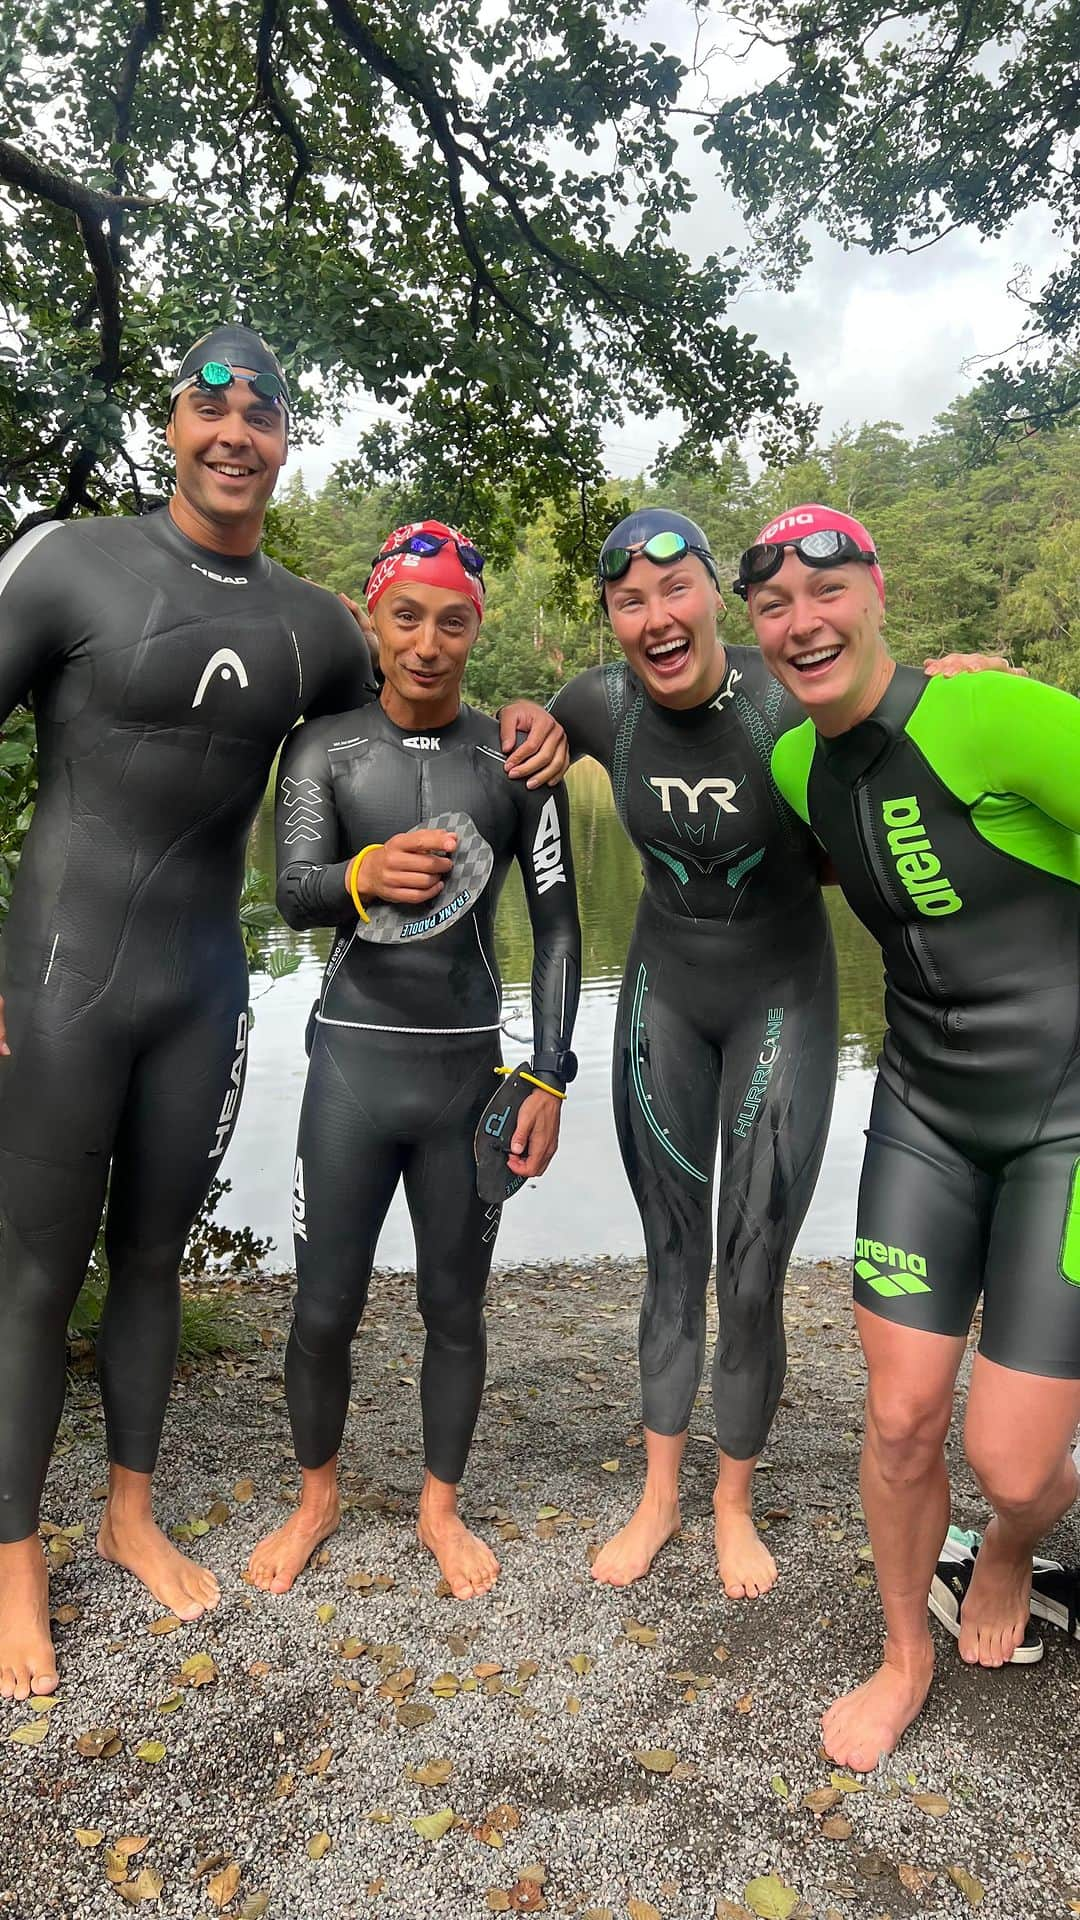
<point>556,1745</point>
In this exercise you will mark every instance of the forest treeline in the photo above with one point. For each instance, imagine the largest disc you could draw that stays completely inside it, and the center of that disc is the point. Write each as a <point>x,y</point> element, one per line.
<point>976,557</point>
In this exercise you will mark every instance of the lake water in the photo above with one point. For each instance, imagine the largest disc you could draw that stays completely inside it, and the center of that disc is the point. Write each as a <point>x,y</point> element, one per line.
<point>582,1207</point>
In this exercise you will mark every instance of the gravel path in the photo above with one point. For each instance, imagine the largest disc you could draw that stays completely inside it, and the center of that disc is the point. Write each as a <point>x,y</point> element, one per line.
<point>302,1732</point>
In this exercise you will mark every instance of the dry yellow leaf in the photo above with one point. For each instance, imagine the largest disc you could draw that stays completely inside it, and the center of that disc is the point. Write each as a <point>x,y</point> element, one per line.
<point>433,1773</point>
<point>130,1845</point>
<point>846,1783</point>
<point>610,1466</point>
<point>147,1887</point>
<point>319,1845</point>
<point>320,1763</point>
<point>198,1671</point>
<point>727,1910</point>
<point>915,1879</point>
<point>770,1898</point>
<point>167,1623</point>
<point>89,1836</point>
<point>32,1734</point>
<point>822,1799</point>
<point>432,1826</point>
<point>151,1751</point>
<point>641,1636</point>
<point>244,1491</point>
<point>283,1786</point>
<point>580,1663</point>
<point>745,1704</point>
<point>643,1910</point>
<point>934,1804</point>
<point>325,1613</point>
<point>487,1669</point>
<point>656,1759</point>
<point>43,1702</point>
<point>498,1900</point>
<point>255,1905</point>
<point>222,1887</point>
<point>972,1889</point>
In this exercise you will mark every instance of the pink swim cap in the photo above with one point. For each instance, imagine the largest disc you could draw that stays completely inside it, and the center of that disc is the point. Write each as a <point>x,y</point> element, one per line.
<point>797,522</point>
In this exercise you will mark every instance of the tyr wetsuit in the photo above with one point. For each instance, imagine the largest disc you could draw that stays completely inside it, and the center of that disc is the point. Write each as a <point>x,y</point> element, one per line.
<point>952,815</point>
<point>727,1020</point>
<point>164,677</point>
<point>406,1044</point>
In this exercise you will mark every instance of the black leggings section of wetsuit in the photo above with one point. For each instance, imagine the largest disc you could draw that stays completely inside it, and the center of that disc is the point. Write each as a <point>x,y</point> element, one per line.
<point>75,1099</point>
<point>379,1108</point>
<point>736,1039</point>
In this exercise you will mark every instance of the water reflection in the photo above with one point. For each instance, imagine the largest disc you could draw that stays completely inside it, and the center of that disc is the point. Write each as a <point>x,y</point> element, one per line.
<point>583,1206</point>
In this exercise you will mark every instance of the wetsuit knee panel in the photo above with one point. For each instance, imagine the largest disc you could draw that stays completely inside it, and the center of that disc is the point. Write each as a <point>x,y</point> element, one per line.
<point>323,1325</point>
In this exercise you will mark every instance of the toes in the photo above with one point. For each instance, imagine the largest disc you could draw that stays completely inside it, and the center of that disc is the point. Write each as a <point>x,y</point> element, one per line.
<point>46,1682</point>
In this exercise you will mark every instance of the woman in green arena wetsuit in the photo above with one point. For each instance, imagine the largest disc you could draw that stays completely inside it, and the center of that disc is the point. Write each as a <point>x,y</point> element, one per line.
<point>951,812</point>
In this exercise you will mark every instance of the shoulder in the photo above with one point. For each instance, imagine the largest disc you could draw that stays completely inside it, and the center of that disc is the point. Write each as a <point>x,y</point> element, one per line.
<point>314,740</point>
<point>792,757</point>
<point>317,606</point>
<point>481,730</point>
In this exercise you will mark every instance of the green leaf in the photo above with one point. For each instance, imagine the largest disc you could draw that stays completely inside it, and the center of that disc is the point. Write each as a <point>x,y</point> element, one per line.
<point>770,1898</point>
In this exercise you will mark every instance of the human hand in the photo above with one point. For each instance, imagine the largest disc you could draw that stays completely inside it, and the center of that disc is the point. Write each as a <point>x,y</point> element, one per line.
<point>410,869</point>
<point>950,664</point>
<point>536,1134</point>
<point>543,756</point>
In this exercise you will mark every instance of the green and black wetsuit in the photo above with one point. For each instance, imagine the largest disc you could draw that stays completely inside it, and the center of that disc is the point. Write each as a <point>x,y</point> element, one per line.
<point>726,1023</point>
<point>406,1044</point>
<point>952,815</point>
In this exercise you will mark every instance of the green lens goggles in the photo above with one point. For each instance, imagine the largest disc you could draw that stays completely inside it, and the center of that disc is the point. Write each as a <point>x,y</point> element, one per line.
<point>216,376</point>
<point>661,548</point>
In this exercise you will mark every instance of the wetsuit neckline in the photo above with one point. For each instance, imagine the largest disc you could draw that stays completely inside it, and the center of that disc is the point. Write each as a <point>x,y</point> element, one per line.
<point>449,730</point>
<point>689,718</point>
<point>851,756</point>
<point>227,567</point>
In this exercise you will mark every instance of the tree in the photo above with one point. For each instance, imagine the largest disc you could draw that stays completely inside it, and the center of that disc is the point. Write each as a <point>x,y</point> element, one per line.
<point>465,211</point>
<point>893,124</point>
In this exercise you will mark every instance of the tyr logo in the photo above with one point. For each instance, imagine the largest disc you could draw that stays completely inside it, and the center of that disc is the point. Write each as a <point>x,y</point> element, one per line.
<point>712,787</point>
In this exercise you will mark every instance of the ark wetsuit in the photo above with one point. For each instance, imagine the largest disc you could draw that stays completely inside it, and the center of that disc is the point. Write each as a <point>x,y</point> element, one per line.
<point>406,1044</point>
<point>727,1021</point>
<point>952,816</point>
<point>164,677</point>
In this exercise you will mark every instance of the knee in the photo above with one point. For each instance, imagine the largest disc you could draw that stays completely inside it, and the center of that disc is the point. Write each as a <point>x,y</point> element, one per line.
<point>905,1431</point>
<point>1013,1483</point>
<point>324,1324</point>
<point>455,1322</point>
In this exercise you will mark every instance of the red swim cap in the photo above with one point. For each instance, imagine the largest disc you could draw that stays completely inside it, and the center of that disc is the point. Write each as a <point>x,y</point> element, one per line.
<point>432,553</point>
<point>799,521</point>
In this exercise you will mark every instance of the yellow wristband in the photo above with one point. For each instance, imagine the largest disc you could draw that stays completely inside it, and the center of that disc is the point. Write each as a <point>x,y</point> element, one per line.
<point>543,1085</point>
<point>352,872</point>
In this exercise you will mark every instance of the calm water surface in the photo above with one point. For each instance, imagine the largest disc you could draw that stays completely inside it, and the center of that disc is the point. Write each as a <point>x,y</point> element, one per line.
<point>582,1207</point>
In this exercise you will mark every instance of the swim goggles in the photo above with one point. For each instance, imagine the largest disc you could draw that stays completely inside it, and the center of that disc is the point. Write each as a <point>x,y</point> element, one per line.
<point>661,548</point>
<point>829,547</point>
<point>427,545</point>
<point>216,376</point>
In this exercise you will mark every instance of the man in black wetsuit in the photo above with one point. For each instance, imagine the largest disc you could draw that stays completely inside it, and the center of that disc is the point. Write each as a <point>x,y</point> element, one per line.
<point>406,1039</point>
<point>951,811</point>
<point>167,658</point>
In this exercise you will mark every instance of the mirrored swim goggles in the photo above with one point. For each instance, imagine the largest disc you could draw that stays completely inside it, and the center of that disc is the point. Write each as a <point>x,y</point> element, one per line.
<point>829,547</point>
<point>427,545</point>
<point>661,548</point>
<point>216,376</point>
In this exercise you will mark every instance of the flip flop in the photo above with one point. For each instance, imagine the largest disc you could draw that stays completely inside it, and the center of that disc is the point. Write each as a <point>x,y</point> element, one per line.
<point>390,925</point>
<point>948,1591</point>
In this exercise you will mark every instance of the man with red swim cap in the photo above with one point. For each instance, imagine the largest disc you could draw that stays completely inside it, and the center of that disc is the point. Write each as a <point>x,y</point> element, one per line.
<point>430,551</point>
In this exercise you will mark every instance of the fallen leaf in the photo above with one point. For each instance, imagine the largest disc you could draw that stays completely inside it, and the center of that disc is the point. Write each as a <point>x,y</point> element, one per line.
<point>721,1653</point>
<point>151,1751</point>
<point>972,1889</point>
<point>770,1898</point>
<point>822,1799</point>
<point>325,1613</point>
<point>915,1879</point>
<point>319,1845</point>
<point>836,1826</point>
<point>580,1663</point>
<point>283,1786</point>
<point>432,1826</point>
<point>147,1887</point>
<point>934,1804</point>
<point>32,1734</point>
<point>746,1704</point>
<point>640,1635</point>
<point>727,1910</point>
<point>446,1686</point>
<point>255,1905</point>
<point>610,1466</point>
<point>43,1702</point>
<point>244,1491</point>
<point>320,1763</point>
<point>498,1900</point>
<point>548,1513</point>
<point>130,1845</point>
<point>433,1773</point>
<point>656,1759</point>
<point>573,1704</point>
<point>60,1552</point>
<point>222,1887</point>
<point>525,1896</point>
<point>487,1669</point>
<point>208,1864</point>
<point>846,1783</point>
<point>352,1648</point>
<point>116,1866</point>
<point>643,1910</point>
<point>780,1787</point>
<point>501,1820</point>
<point>66,1615</point>
<point>412,1714</point>
<point>89,1836</point>
<point>360,1582</point>
<point>197,1671</point>
<point>99,1743</point>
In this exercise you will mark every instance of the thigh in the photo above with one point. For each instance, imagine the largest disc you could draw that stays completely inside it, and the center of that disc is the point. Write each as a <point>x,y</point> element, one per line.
<point>348,1163</point>
<point>455,1231</point>
<point>923,1223</point>
<point>1031,1309</point>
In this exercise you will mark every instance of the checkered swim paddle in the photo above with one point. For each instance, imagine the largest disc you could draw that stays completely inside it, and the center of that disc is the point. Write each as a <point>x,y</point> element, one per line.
<point>391,925</point>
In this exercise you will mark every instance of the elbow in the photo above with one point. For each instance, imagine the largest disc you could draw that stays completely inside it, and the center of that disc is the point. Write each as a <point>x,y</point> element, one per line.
<point>289,905</point>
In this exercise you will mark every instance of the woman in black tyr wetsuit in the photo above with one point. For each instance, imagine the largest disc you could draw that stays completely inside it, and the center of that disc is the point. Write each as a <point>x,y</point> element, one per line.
<point>407,1034</point>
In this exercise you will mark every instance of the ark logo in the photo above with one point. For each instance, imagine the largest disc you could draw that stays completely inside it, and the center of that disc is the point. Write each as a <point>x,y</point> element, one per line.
<point>299,1201</point>
<point>225,662</point>
<point>427,742</point>
<point>232,1096</point>
<point>917,865</point>
<point>547,850</point>
<point>907,1271</point>
<point>712,787</point>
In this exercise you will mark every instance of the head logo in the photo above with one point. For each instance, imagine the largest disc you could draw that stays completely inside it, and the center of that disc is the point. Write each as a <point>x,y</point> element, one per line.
<point>220,579</point>
<point>917,866</point>
<point>907,1271</point>
<point>225,662</point>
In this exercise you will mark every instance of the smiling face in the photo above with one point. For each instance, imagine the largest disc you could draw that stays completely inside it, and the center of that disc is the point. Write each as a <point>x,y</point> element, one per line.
<point>664,618</point>
<point>819,629</point>
<point>425,637</point>
<point>230,447</point>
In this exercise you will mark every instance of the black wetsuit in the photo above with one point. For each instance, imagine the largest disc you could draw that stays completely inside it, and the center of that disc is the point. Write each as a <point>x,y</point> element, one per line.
<point>727,1020</point>
<point>952,815</point>
<point>406,1044</point>
<point>164,677</point>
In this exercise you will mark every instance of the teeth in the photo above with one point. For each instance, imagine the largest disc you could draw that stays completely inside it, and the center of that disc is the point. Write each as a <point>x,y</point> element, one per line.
<point>814,659</point>
<point>238,473</point>
<point>669,646</point>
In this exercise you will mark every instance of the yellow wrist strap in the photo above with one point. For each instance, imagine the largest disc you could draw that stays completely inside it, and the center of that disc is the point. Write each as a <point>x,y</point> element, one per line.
<point>533,1081</point>
<point>352,872</point>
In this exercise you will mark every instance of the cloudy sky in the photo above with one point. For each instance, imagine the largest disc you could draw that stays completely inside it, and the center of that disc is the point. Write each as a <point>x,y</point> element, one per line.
<point>871,338</point>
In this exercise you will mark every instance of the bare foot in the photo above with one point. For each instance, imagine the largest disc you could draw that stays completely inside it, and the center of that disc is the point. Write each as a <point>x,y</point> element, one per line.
<point>136,1542</point>
<point>862,1726</point>
<point>743,1561</point>
<point>285,1553</point>
<point>466,1562</point>
<point>996,1607</point>
<point>629,1554</point>
<point>27,1660</point>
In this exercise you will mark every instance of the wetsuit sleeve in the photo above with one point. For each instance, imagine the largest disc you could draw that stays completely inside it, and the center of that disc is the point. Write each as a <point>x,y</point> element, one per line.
<point>1029,739</point>
<point>791,760</point>
<point>544,855</point>
<point>348,679</point>
<point>581,707</point>
<point>36,609</point>
<point>311,888</point>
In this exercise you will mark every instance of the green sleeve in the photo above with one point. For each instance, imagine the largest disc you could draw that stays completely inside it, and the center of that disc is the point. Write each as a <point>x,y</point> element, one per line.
<point>792,758</point>
<point>996,733</point>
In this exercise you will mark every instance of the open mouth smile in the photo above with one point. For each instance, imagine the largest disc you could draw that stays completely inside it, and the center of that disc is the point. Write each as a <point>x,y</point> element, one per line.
<point>819,660</point>
<point>667,656</point>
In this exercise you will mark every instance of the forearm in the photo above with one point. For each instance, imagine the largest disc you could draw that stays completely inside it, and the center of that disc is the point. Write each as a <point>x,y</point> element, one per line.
<point>314,896</point>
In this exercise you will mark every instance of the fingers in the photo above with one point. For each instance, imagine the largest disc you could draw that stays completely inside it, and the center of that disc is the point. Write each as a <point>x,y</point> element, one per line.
<point>536,1136</point>
<point>543,756</point>
<point>519,715</point>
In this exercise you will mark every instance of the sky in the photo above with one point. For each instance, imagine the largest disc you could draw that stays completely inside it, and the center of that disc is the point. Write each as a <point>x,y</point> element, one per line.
<point>888,337</point>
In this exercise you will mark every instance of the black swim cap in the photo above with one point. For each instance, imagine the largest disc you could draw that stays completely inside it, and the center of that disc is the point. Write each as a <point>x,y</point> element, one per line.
<point>237,347</point>
<point>644,524</point>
